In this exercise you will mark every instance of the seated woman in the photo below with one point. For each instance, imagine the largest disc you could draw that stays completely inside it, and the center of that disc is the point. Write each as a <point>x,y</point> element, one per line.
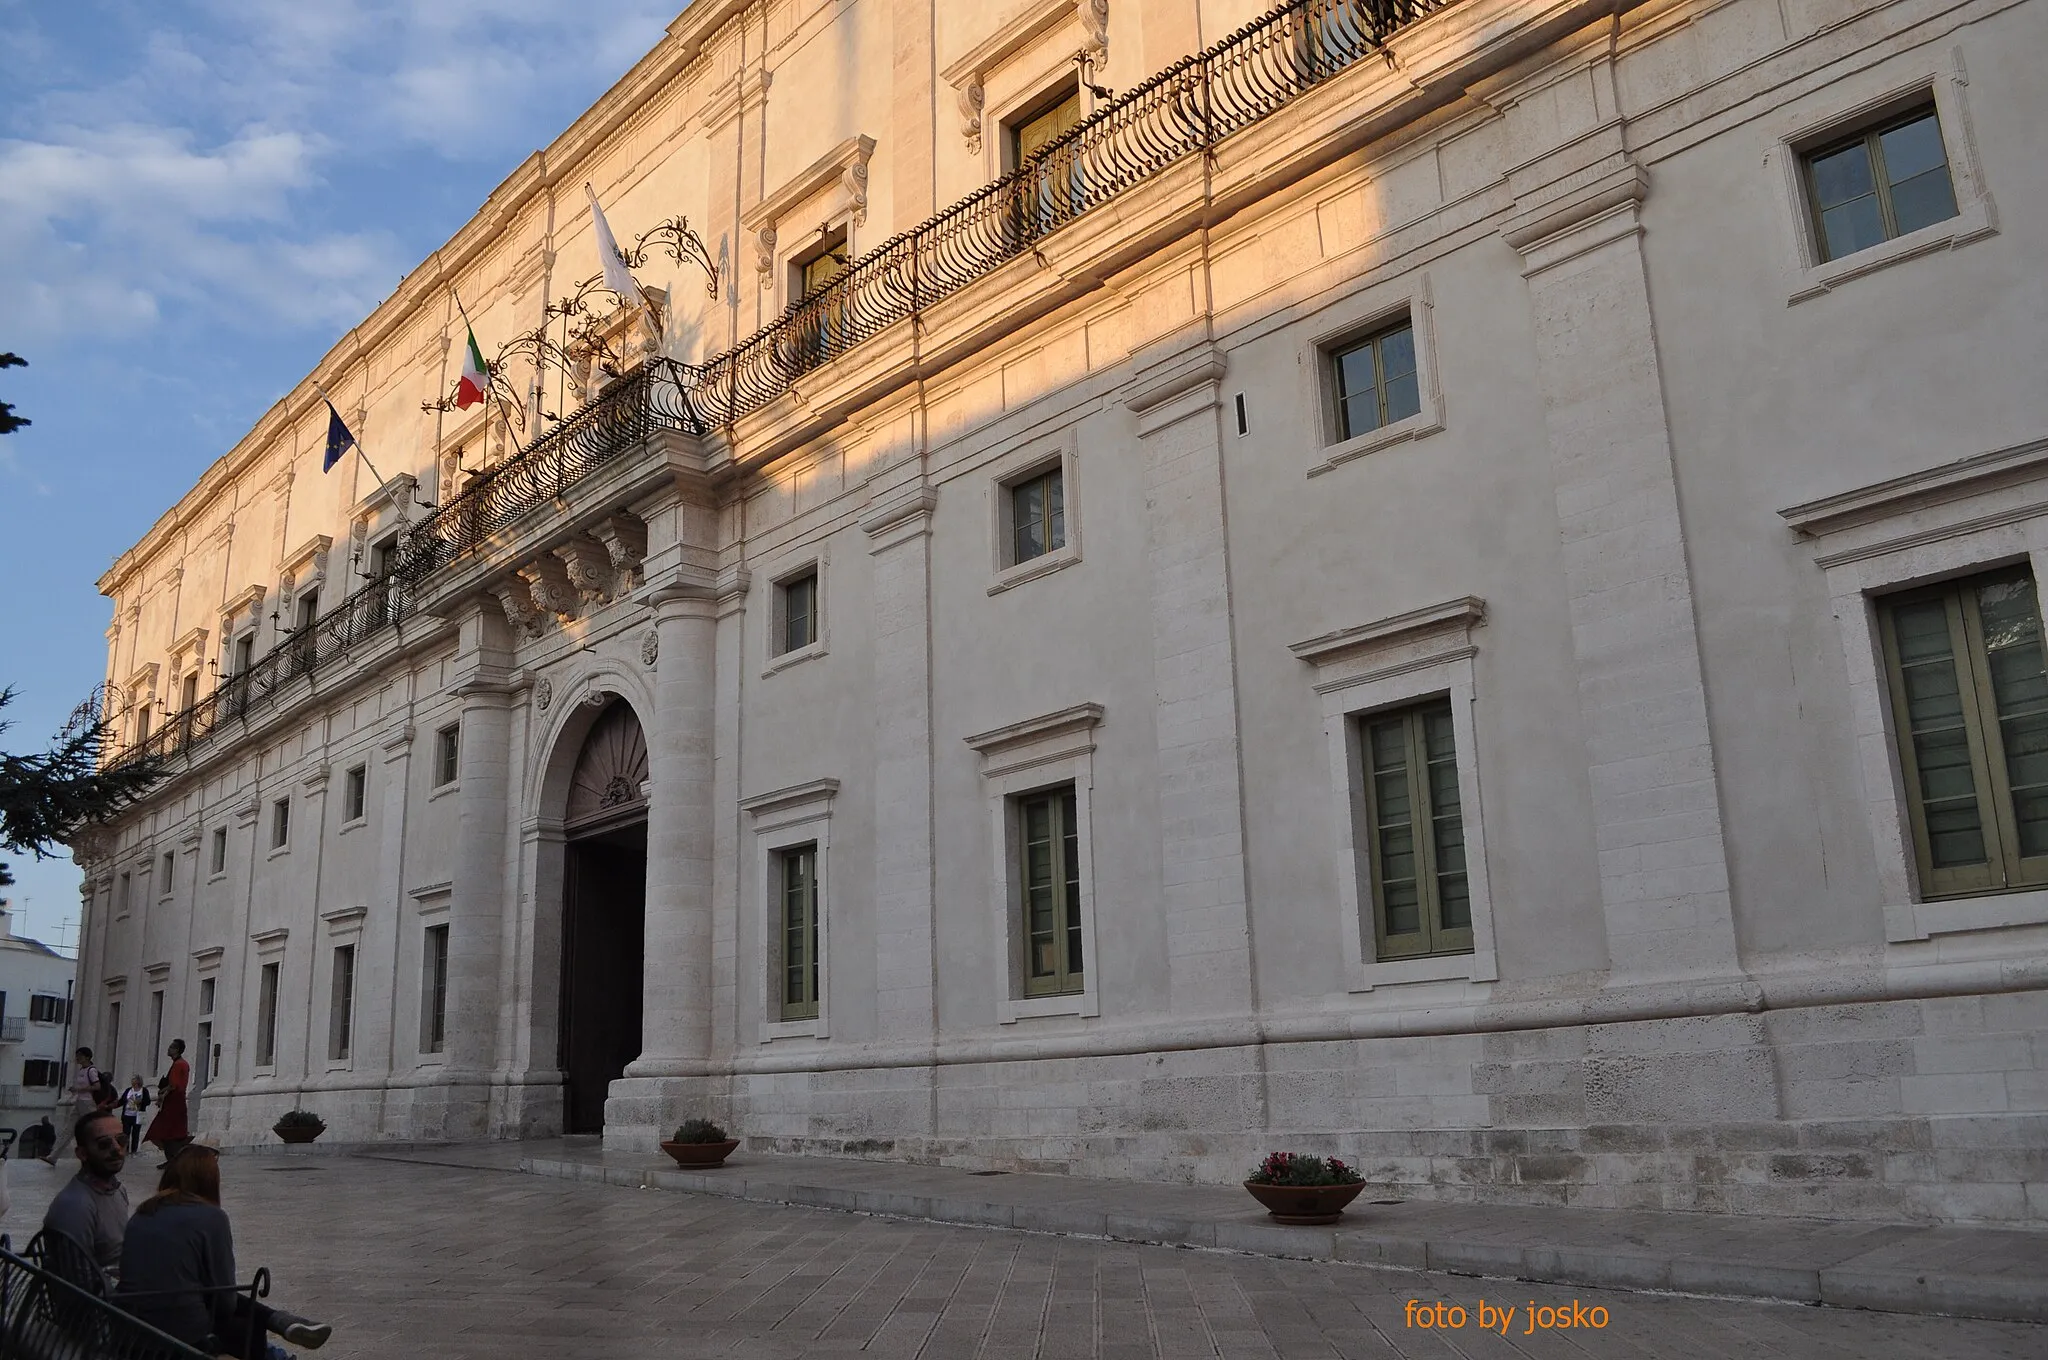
<point>178,1256</point>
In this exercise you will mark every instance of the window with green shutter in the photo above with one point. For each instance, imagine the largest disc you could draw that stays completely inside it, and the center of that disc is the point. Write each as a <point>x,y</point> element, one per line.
<point>1049,879</point>
<point>797,890</point>
<point>1970,712</point>
<point>1415,833</point>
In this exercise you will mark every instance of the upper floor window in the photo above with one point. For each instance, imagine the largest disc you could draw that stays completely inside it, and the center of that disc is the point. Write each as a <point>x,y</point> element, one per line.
<point>1969,697</point>
<point>1054,193</point>
<point>280,823</point>
<point>170,863</point>
<point>796,609</point>
<point>49,1010</point>
<point>1374,380</point>
<point>354,793</point>
<point>1884,181</point>
<point>822,336</point>
<point>245,653</point>
<point>220,850</point>
<point>1038,515</point>
<point>447,754</point>
<point>1415,833</point>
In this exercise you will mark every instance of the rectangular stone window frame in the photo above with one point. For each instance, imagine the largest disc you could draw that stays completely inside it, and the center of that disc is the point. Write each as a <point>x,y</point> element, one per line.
<point>217,865</point>
<point>167,864</point>
<point>431,903</point>
<point>280,826</point>
<point>1344,323</point>
<point>206,978</point>
<point>811,562</point>
<point>1025,758</point>
<point>786,819</point>
<point>344,929</point>
<point>1861,100</point>
<point>1949,522</point>
<point>269,949</point>
<point>355,796</point>
<point>1016,468</point>
<point>1362,671</point>
<point>447,758</point>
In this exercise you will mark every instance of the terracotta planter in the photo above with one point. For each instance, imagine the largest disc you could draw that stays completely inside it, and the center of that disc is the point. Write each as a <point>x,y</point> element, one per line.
<point>1306,1205</point>
<point>703,1155</point>
<point>298,1133</point>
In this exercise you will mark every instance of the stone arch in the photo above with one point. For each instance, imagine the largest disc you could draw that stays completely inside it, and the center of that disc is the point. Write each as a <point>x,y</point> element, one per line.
<point>581,707</point>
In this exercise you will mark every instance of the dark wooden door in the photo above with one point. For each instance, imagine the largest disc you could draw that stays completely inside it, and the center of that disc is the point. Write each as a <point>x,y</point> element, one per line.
<point>603,946</point>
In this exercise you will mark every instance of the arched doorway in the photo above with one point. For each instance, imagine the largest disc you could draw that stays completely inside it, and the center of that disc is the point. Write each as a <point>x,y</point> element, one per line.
<point>604,913</point>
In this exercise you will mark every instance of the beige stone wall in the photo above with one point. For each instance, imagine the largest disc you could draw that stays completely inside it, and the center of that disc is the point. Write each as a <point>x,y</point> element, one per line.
<point>1703,978</point>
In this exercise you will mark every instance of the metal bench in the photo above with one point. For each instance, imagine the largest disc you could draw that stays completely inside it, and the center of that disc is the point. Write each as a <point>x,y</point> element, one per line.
<point>55,1305</point>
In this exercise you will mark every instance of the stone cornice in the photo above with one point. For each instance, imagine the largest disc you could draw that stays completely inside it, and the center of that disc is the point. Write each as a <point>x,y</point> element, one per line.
<point>1402,642</point>
<point>796,795</point>
<point>1898,496</point>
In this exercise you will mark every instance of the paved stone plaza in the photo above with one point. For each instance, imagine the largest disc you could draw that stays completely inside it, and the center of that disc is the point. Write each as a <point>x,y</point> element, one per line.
<point>458,1263</point>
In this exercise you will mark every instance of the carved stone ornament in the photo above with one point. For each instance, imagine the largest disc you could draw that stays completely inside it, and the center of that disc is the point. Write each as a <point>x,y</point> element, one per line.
<point>625,539</point>
<point>590,569</point>
<point>543,693</point>
<point>650,646</point>
<point>517,601</point>
<point>597,698</point>
<point>548,580</point>
<point>971,97</point>
<point>611,769</point>
<point>764,250</point>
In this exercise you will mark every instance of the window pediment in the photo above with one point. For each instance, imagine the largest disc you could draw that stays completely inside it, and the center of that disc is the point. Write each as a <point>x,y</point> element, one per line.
<point>845,164</point>
<point>968,72</point>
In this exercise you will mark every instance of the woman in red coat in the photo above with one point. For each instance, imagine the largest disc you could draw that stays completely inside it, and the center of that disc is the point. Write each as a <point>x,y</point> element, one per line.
<point>168,1130</point>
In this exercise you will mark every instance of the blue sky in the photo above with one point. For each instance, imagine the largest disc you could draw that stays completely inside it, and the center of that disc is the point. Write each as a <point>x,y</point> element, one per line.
<point>196,200</point>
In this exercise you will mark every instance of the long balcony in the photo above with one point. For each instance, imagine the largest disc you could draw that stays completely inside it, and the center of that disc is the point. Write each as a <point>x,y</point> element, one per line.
<point>1183,112</point>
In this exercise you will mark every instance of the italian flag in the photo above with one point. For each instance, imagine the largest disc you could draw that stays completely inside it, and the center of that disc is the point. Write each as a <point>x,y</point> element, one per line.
<point>475,383</point>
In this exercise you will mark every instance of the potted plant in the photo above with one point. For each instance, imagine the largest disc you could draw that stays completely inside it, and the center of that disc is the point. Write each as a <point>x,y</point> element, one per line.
<point>298,1126</point>
<point>700,1143</point>
<point>1304,1190</point>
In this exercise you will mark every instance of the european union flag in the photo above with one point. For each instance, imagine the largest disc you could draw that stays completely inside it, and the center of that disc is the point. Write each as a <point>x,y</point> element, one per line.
<point>339,440</point>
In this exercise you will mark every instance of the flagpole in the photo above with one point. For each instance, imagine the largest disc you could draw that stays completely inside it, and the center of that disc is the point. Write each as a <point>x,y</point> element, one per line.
<point>490,376</point>
<point>356,439</point>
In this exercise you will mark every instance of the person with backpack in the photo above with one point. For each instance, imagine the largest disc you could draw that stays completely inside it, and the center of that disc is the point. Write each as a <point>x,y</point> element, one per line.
<point>85,1084</point>
<point>134,1101</point>
<point>168,1130</point>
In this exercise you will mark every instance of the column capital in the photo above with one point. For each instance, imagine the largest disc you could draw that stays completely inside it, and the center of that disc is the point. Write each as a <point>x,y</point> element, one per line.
<point>1179,377</point>
<point>1590,211</point>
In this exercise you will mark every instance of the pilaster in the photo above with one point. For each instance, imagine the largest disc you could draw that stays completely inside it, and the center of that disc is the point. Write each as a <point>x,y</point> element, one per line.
<point>1663,863</point>
<point>898,526</point>
<point>1175,396</point>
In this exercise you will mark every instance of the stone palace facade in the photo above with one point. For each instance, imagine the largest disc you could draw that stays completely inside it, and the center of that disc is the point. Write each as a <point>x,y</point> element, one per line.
<point>1450,582</point>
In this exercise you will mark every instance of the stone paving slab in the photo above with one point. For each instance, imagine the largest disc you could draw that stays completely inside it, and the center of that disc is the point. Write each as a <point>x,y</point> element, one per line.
<point>1901,1268</point>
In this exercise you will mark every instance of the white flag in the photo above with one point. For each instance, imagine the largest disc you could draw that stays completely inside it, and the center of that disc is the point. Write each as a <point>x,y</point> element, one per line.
<point>617,277</point>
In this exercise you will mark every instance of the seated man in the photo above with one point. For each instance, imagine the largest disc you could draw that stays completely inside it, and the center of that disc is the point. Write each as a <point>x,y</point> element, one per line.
<point>91,1213</point>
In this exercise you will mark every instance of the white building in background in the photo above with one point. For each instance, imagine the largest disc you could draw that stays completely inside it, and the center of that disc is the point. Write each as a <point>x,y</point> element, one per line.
<point>35,1010</point>
<point>1450,583</point>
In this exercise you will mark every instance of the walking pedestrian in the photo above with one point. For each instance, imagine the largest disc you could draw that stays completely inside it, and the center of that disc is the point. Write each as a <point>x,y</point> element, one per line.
<point>134,1101</point>
<point>169,1130</point>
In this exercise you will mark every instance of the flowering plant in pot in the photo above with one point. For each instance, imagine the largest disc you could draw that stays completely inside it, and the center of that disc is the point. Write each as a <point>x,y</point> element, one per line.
<point>1304,1190</point>
<point>298,1126</point>
<point>700,1143</point>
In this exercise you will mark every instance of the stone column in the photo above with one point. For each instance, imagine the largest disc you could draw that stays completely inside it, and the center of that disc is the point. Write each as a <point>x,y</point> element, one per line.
<point>899,532</point>
<point>1656,801</point>
<point>479,897</point>
<point>1176,394</point>
<point>676,1019</point>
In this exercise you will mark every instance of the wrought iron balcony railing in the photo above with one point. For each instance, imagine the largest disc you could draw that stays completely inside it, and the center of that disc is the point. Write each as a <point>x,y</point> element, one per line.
<point>1182,112</point>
